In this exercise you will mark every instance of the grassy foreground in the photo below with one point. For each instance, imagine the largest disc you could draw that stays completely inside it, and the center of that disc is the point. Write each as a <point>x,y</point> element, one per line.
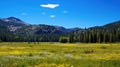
<point>59,55</point>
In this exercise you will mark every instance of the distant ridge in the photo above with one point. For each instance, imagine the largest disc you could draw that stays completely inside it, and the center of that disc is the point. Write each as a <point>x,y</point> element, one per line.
<point>14,21</point>
<point>13,28</point>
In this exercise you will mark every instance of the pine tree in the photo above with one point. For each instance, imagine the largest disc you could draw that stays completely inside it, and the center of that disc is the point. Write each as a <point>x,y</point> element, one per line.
<point>71,38</point>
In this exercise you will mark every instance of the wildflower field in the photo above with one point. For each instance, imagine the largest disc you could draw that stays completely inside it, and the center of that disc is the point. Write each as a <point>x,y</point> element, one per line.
<point>24,54</point>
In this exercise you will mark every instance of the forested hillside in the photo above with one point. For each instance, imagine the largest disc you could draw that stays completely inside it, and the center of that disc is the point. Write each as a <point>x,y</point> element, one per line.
<point>14,29</point>
<point>108,33</point>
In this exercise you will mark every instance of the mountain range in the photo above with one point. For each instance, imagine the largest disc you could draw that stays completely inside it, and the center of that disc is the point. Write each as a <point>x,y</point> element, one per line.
<point>15,24</point>
<point>16,27</point>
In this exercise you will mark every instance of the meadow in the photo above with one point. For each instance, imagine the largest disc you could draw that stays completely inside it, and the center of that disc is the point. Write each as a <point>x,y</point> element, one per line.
<point>37,54</point>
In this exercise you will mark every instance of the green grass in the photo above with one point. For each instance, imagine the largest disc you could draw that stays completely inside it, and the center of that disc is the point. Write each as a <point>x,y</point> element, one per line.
<point>23,54</point>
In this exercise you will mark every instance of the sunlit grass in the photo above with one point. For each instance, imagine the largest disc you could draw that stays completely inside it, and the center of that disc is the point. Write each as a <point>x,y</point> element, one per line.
<point>25,54</point>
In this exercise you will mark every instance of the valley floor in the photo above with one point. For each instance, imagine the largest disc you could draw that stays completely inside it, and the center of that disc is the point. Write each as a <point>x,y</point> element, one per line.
<point>23,54</point>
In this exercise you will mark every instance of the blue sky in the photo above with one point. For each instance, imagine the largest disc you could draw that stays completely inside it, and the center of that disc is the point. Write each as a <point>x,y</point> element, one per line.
<point>67,13</point>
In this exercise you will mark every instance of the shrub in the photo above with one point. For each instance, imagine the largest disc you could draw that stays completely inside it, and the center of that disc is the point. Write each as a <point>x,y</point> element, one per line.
<point>30,54</point>
<point>64,39</point>
<point>0,40</point>
<point>88,51</point>
<point>103,47</point>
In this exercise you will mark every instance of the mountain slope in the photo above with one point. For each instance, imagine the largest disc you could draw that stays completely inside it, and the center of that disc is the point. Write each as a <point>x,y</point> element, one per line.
<point>37,30</point>
<point>13,21</point>
<point>17,25</point>
<point>110,26</point>
<point>14,29</point>
<point>5,34</point>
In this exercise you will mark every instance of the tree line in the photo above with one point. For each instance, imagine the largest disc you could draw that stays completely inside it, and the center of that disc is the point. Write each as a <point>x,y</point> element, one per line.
<point>83,36</point>
<point>96,36</point>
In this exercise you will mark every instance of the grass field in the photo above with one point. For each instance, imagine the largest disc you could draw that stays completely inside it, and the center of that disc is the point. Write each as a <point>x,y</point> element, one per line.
<point>59,55</point>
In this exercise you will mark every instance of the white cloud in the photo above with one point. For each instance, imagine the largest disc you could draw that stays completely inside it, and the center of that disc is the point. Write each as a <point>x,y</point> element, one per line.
<point>24,14</point>
<point>52,16</point>
<point>43,13</point>
<point>52,6</point>
<point>65,11</point>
